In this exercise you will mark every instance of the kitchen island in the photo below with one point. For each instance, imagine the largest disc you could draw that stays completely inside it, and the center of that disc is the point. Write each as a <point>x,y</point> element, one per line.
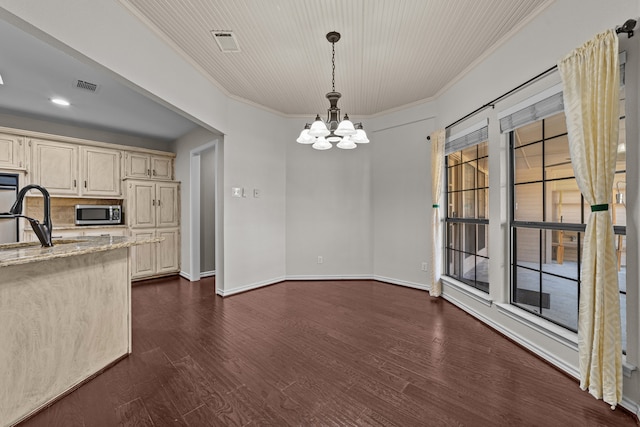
<point>65,315</point>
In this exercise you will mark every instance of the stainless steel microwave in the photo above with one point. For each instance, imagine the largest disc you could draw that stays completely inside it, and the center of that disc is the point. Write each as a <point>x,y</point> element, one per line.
<point>98,214</point>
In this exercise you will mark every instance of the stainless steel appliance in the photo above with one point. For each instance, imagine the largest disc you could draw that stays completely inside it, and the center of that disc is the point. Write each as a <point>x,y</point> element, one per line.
<point>98,214</point>
<point>8,195</point>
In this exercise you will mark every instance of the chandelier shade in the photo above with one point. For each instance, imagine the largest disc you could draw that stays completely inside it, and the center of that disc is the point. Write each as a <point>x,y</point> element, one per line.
<point>340,131</point>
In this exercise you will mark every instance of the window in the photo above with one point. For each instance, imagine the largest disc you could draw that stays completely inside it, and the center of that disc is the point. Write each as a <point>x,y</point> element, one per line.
<point>466,236</point>
<point>548,220</point>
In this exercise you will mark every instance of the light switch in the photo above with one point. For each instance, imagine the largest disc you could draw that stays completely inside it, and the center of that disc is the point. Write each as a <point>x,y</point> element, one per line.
<point>237,192</point>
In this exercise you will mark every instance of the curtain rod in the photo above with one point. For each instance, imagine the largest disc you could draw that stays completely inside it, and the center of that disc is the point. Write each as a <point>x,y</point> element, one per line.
<point>626,28</point>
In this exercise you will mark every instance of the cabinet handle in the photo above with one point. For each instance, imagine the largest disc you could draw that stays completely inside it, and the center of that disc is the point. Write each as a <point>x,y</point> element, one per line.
<point>85,183</point>
<point>154,172</point>
<point>158,202</point>
<point>149,172</point>
<point>153,202</point>
<point>74,183</point>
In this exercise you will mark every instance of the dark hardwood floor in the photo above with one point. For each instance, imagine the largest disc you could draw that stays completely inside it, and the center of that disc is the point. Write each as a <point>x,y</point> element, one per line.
<point>338,353</point>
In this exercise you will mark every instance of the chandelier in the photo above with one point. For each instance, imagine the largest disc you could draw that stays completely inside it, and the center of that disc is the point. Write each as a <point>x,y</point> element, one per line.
<point>343,132</point>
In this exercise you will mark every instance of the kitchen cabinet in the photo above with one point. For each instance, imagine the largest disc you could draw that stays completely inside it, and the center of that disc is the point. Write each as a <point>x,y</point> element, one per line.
<point>100,171</point>
<point>148,166</point>
<point>73,170</point>
<point>12,153</point>
<point>152,204</point>
<point>55,167</point>
<point>71,232</point>
<point>152,210</point>
<point>154,259</point>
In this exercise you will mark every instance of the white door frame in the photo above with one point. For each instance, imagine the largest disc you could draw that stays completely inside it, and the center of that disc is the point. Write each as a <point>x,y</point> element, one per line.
<point>194,212</point>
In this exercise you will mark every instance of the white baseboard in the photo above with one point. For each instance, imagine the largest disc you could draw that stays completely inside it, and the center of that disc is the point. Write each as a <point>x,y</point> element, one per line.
<point>186,276</point>
<point>249,287</point>
<point>207,274</point>
<point>534,348</point>
<point>421,286</point>
<point>332,277</point>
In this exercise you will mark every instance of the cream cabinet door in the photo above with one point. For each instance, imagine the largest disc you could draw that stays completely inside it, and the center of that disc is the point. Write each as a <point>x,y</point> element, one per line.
<point>161,168</point>
<point>100,172</point>
<point>141,204</point>
<point>55,167</point>
<point>11,152</point>
<point>167,259</point>
<point>167,204</point>
<point>143,257</point>
<point>137,165</point>
<point>105,232</point>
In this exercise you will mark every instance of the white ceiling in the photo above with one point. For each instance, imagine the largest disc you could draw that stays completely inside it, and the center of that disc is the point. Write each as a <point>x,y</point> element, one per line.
<point>392,53</point>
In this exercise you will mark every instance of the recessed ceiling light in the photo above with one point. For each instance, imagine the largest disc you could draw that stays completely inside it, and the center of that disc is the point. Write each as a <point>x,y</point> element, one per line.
<point>60,101</point>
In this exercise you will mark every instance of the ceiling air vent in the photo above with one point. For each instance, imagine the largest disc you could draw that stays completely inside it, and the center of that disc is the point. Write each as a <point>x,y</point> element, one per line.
<point>85,85</point>
<point>226,41</point>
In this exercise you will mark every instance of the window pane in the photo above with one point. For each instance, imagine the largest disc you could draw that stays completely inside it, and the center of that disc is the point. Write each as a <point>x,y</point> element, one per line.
<point>469,237</point>
<point>557,159</point>
<point>528,247</point>
<point>528,163</point>
<point>560,298</point>
<point>469,154</point>
<point>555,125</point>
<point>529,133</point>
<point>483,208</point>
<point>483,240</point>
<point>469,175</point>
<point>562,259</point>
<point>528,202</point>
<point>527,289</point>
<point>619,207</point>
<point>469,204</point>
<point>483,149</point>
<point>564,201</point>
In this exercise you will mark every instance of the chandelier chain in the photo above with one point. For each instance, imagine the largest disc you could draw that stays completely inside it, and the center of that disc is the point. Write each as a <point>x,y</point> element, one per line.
<point>333,67</point>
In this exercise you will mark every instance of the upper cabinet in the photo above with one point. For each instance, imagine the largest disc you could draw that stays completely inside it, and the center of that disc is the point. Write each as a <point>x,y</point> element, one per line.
<point>55,167</point>
<point>72,170</point>
<point>148,166</point>
<point>12,153</point>
<point>100,172</point>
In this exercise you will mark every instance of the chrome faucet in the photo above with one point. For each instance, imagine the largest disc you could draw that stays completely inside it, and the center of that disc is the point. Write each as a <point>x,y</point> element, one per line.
<point>42,230</point>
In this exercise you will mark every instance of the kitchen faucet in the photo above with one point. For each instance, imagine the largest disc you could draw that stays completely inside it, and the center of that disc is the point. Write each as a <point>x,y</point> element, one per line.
<point>42,230</point>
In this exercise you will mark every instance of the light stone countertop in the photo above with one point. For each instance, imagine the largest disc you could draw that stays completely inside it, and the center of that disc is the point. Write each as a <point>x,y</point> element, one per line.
<point>28,252</point>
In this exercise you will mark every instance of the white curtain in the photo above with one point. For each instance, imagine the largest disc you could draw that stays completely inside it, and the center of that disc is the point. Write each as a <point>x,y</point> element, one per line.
<point>591,79</point>
<point>437,176</point>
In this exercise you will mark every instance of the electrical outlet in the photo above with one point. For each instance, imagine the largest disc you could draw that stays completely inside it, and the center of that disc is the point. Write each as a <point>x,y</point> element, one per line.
<point>424,266</point>
<point>320,260</point>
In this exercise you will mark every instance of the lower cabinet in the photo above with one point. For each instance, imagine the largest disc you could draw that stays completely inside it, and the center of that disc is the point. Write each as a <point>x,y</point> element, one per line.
<point>155,259</point>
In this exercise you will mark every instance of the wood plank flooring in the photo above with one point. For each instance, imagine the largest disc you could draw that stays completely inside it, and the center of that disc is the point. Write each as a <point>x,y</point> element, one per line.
<point>343,353</point>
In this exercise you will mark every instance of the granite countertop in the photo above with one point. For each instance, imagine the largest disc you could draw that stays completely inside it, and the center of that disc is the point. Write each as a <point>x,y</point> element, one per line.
<point>28,252</point>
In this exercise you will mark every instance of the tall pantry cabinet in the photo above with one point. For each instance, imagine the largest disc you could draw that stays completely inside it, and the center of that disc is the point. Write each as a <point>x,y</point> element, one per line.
<point>152,210</point>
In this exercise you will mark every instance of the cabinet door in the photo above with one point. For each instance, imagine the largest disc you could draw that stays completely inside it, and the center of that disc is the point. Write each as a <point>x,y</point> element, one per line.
<point>100,172</point>
<point>11,151</point>
<point>55,167</point>
<point>141,204</point>
<point>161,167</point>
<point>167,260</point>
<point>143,257</point>
<point>137,165</point>
<point>167,204</point>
